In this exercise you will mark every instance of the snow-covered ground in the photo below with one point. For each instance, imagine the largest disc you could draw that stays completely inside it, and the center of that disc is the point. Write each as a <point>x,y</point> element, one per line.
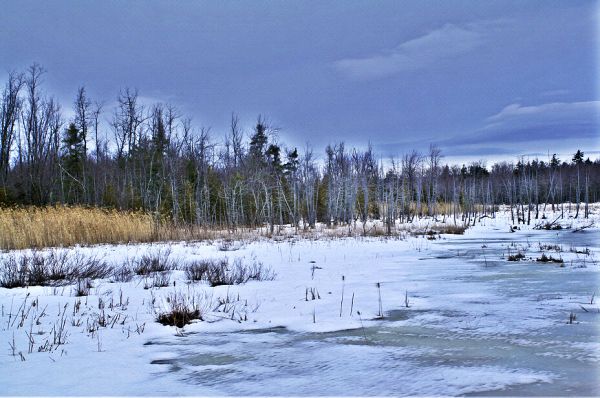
<point>458,318</point>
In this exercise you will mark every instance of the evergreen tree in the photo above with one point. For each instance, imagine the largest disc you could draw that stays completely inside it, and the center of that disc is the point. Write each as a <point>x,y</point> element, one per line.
<point>72,164</point>
<point>274,155</point>
<point>292,163</point>
<point>258,142</point>
<point>578,160</point>
<point>73,150</point>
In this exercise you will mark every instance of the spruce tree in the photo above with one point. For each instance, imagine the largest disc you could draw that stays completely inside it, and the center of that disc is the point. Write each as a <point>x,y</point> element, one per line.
<point>578,157</point>
<point>72,163</point>
<point>73,147</point>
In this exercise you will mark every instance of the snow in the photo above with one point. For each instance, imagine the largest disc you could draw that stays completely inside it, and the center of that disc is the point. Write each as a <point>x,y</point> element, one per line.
<point>474,322</point>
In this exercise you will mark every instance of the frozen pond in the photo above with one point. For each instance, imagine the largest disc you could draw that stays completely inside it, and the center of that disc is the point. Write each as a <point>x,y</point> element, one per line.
<point>495,328</point>
<point>475,323</point>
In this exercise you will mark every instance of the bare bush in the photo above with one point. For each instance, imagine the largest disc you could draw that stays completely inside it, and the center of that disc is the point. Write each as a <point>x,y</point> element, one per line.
<point>82,288</point>
<point>516,257</point>
<point>575,250</point>
<point>220,273</point>
<point>217,273</point>
<point>123,273</point>
<point>42,270</point>
<point>228,245</point>
<point>89,267</point>
<point>12,272</point>
<point>549,247</point>
<point>196,271</point>
<point>159,279</point>
<point>451,229</point>
<point>258,272</point>
<point>154,262</point>
<point>53,268</point>
<point>549,226</point>
<point>549,259</point>
<point>436,230</point>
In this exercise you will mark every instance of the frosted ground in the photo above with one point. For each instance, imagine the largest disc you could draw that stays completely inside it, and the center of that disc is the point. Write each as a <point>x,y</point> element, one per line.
<point>458,318</point>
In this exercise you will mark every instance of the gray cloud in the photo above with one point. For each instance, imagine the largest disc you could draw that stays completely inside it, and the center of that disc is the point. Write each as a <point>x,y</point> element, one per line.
<point>560,126</point>
<point>445,42</point>
<point>546,113</point>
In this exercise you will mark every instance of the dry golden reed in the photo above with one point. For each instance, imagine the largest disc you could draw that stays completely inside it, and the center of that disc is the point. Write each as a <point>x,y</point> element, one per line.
<point>64,226</point>
<point>36,227</point>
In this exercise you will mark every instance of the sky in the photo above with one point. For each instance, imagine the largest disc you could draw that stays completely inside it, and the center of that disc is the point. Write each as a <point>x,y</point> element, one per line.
<point>481,79</point>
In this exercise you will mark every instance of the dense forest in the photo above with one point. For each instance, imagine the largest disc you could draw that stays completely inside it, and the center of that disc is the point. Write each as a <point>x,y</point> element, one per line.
<point>152,158</point>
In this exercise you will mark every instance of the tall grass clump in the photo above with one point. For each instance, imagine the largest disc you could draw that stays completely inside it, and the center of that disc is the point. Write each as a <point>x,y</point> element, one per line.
<point>53,226</point>
<point>179,309</point>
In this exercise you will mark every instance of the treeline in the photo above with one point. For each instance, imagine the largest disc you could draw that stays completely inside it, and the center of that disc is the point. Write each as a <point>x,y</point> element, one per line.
<point>151,158</point>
